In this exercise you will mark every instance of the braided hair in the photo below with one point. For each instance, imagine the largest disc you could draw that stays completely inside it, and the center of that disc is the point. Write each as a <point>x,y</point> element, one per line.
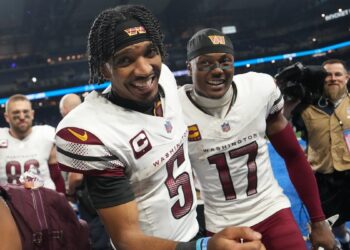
<point>102,36</point>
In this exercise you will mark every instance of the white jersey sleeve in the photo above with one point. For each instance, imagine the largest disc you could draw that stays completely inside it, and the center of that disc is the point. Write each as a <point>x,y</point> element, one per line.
<point>230,155</point>
<point>275,102</point>
<point>101,138</point>
<point>17,156</point>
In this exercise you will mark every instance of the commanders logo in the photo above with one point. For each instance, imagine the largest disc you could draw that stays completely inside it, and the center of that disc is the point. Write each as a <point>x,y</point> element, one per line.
<point>193,133</point>
<point>135,30</point>
<point>216,40</point>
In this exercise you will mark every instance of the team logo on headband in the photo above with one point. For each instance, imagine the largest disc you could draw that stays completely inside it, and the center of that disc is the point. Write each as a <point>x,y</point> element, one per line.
<point>135,30</point>
<point>217,40</point>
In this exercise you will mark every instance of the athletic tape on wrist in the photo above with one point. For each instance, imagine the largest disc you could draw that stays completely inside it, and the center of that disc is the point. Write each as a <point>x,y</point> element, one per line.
<point>205,243</point>
<point>202,243</point>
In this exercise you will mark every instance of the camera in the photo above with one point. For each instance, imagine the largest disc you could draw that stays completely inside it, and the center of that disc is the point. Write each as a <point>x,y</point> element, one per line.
<point>299,82</point>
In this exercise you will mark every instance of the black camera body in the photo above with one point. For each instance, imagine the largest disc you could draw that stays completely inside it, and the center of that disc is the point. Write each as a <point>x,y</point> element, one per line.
<point>299,82</point>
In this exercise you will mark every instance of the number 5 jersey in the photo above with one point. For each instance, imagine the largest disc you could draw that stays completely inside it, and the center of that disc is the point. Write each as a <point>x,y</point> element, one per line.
<point>230,155</point>
<point>103,139</point>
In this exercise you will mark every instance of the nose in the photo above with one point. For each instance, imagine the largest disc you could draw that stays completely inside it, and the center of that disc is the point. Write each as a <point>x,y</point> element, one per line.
<point>217,69</point>
<point>332,77</point>
<point>21,115</point>
<point>142,67</point>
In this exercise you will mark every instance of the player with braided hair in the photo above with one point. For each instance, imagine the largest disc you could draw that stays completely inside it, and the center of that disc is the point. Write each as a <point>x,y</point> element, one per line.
<point>130,141</point>
<point>103,38</point>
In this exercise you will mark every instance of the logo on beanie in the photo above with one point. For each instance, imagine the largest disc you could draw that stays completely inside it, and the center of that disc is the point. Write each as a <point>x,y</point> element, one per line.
<point>135,30</point>
<point>216,40</point>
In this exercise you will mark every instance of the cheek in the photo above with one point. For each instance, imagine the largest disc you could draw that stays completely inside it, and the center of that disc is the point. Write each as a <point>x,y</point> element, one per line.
<point>229,75</point>
<point>119,78</point>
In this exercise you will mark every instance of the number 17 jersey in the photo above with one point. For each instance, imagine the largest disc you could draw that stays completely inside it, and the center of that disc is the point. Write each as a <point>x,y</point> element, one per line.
<point>230,155</point>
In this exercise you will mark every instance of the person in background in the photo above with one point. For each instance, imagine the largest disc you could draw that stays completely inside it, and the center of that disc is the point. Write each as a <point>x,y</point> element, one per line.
<point>130,141</point>
<point>23,145</point>
<point>228,118</point>
<point>77,190</point>
<point>325,125</point>
<point>68,102</point>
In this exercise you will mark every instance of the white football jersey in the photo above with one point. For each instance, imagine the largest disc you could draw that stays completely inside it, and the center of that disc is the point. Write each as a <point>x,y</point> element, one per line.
<point>17,156</point>
<point>230,155</point>
<point>151,151</point>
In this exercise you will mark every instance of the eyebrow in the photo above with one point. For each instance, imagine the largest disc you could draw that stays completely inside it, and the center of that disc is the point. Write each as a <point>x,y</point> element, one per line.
<point>221,57</point>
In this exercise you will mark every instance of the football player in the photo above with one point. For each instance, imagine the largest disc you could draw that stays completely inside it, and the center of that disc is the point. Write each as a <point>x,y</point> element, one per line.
<point>23,145</point>
<point>131,141</point>
<point>228,118</point>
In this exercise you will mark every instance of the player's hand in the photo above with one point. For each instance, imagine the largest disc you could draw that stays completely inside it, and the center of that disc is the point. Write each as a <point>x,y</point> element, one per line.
<point>322,236</point>
<point>236,238</point>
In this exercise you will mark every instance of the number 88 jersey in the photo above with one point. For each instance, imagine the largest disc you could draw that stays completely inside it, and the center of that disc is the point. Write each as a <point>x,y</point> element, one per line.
<point>230,155</point>
<point>17,156</point>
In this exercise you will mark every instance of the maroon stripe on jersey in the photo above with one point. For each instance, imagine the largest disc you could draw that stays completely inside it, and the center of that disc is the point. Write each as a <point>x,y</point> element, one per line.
<point>78,135</point>
<point>114,172</point>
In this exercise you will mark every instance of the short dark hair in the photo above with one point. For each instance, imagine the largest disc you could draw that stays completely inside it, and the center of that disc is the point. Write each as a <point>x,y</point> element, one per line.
<point>16,98</point>
<point>102,36</point>
<point>333,61</point>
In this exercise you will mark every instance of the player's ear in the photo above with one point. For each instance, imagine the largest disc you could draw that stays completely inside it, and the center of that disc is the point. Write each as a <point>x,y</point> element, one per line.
<point>6,117</point>
<point>106,71</point>
<point>189,68</point>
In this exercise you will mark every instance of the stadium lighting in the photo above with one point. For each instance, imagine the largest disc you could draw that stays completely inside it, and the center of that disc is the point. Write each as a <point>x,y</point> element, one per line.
<point>229,29</point>
<point>242,63</point>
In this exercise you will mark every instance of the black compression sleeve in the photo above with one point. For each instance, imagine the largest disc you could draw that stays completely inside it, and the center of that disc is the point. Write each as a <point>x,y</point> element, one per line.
<point>109,191</point>
<point>186,245</point>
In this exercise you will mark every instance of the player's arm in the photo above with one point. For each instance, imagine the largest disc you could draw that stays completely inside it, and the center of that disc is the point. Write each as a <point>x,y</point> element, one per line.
<point>120,217</point>
<point>283,139</point>
<point>113,198</point>
<point>74,180</point>
<point>55,172</point>
<point>122,224</point>
<point>9,234</point>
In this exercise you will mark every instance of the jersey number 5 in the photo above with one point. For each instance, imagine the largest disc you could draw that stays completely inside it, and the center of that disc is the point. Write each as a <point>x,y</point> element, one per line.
<point>173,184</point>
<point>220,162</point>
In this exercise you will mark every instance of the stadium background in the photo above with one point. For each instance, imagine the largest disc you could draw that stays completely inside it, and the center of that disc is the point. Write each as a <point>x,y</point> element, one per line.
<point>43,45</point>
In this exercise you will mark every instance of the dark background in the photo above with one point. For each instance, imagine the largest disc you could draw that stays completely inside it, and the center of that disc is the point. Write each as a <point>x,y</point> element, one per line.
<point>46,39</point>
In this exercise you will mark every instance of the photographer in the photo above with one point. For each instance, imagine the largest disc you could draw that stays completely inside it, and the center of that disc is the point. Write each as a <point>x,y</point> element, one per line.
<point>324,120</point>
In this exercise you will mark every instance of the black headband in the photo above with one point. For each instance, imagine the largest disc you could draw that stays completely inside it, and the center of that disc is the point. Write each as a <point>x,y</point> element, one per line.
<point>130,32</point>
<point>208,41</point>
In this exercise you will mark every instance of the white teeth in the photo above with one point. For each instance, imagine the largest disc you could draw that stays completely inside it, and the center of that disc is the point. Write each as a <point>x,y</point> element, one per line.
<point>149,82</point>
<point>143,84</point>
<point>216,82</point>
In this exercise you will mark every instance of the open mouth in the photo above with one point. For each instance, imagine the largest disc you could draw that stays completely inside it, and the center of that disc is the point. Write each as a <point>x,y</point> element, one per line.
<point>144,83</point>
<point>216,82</point>
<point>144,86</point>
